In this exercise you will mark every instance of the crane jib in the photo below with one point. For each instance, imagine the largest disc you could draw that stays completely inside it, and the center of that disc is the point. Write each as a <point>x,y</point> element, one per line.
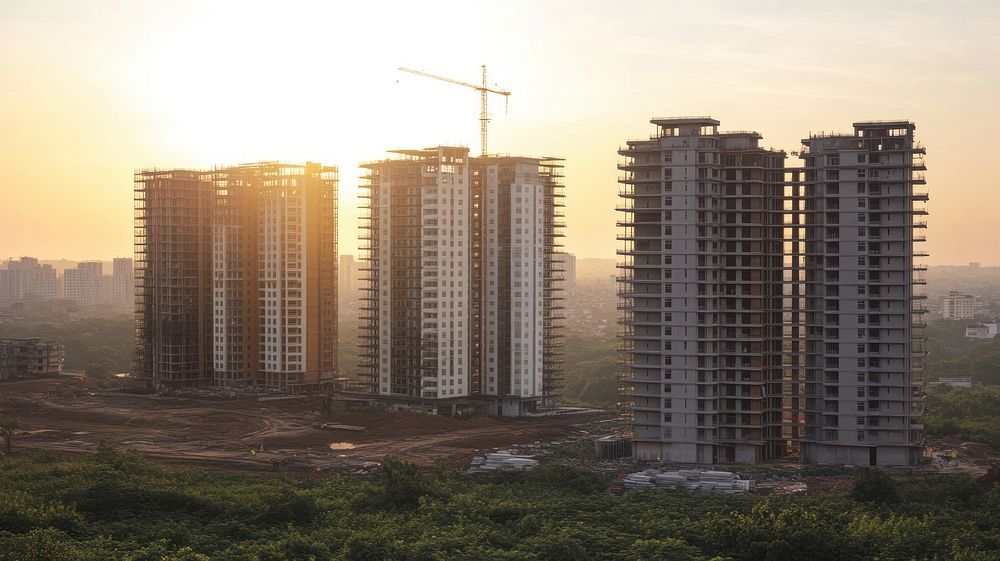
<point>483,89</point>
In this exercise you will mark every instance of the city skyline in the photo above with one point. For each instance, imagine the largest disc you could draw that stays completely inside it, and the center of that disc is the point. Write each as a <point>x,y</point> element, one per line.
<point>499,280</point>
<point>93,95</point>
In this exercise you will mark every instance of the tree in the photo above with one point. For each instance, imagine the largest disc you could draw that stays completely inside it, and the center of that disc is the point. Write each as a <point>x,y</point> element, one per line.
<point>100,369</point>
<point>7,428</point>
<point>402,485</point>
<point>326,404</point>
<point>874,486</point>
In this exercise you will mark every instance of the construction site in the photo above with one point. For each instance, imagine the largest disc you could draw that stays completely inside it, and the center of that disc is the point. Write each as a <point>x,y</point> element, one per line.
<point>247,434</point>
<point>260,434</point>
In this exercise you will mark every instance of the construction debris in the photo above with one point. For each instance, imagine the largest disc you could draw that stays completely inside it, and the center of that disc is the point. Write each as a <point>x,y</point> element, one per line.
<point>338,426</point>
<point>695,481</point>
<point>502,461</point>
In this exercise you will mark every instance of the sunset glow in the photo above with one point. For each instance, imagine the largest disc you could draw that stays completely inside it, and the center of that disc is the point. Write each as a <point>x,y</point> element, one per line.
<point>93,90</point>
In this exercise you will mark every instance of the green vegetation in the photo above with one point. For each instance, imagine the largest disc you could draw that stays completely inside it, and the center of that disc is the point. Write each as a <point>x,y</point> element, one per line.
<point>951,354</point>
<point>97,345</point>
<point>116,506</point>
<point>589,371</point>
<point>969,413</point>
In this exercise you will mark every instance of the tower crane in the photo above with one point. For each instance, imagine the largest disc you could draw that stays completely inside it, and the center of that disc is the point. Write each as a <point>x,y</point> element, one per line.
<point>484,116</point>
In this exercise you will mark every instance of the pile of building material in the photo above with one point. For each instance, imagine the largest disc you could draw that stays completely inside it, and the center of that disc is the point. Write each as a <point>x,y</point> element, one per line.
<point>502,461</point>
<point>695,481</point>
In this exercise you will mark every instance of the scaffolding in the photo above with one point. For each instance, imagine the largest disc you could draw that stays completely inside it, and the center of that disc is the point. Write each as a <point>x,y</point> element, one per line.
<point>173,281</point>
<point>266,235</point>
<point>399,340</point>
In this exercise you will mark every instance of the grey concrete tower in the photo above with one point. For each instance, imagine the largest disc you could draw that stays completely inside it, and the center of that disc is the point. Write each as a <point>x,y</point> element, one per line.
<point>701,292</point>
<point>864,211</point>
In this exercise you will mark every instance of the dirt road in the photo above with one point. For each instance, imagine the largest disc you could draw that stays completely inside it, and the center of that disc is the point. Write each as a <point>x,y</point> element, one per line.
<point>250,435</point>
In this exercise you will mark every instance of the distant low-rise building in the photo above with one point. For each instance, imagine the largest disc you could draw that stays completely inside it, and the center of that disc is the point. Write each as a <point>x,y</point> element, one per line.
<point>982,331</point>
<point>957,305</point>
<point>30,358</point>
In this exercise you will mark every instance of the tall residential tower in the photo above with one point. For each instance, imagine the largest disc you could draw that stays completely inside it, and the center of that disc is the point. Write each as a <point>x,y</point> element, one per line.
<point>236,276</point>
<point>275,273</point>
<point>770,313</point>
<point>461,304</point>
<point>863,212</point>
<point>701,288</point>
<point>173,277</point>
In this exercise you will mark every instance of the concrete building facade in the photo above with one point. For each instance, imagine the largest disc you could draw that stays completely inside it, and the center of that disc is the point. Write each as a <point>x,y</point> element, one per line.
<point>236,276</point>
<point>568,263</point>
<point>86,284</point>
<point>122,282</point>
<point>982,330</point>
<point>770,313</point>
<point>26,279</point>
<point>173,277</point>
<point>460,304</point>
<point>30,358</point>
<point>863,214</point>
<point>274,268</point>
<point>957,305</point>
<point>701,288</point>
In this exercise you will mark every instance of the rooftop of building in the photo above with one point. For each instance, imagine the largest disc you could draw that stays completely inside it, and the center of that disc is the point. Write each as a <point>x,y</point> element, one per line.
<point>889,123</point>
<point>192,173</point>
<point>168,173</point>
<point>685,120</point>
<point>460,155</point>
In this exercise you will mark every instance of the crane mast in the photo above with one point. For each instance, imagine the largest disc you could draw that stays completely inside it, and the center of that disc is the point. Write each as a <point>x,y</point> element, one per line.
<point>484,90</point>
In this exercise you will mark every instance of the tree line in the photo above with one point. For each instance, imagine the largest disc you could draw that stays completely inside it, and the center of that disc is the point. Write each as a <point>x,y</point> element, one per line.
<point>116,506</point>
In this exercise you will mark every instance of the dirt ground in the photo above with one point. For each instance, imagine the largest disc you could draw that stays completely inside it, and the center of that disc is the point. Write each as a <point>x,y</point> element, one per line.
<point>246,434</point>
<point>251,435</point>
<point>949,454</point>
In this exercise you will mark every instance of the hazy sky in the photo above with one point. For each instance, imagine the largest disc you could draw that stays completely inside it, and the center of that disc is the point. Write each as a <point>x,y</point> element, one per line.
<point>90,90</point>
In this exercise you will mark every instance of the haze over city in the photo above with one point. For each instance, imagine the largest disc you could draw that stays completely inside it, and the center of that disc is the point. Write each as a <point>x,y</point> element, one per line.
<point>94,90</point>
<point>704,281</point>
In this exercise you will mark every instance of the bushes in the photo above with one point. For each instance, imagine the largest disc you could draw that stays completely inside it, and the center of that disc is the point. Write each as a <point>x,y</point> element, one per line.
<point>874,486</point>
<point>969,413</point>
<point>21,513</point>
<point>115,507</point>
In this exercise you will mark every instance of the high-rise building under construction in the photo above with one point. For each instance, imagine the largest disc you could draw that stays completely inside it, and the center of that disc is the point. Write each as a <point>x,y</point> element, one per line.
<point>702,293</point>
<point>274,267</point>
<point>862,212</point>
<point>461,305</point>
<point>739,283</point>
<point>236,276</point>
<point>173,277</point>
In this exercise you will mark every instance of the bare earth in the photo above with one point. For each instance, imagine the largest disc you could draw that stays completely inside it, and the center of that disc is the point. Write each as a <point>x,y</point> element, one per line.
<point>248,435</point>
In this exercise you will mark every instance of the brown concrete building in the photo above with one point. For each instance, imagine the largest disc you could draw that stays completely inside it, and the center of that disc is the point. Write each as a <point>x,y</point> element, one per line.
<point>173,277</point>
<point>236,276</point>
<point>275,275</point>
